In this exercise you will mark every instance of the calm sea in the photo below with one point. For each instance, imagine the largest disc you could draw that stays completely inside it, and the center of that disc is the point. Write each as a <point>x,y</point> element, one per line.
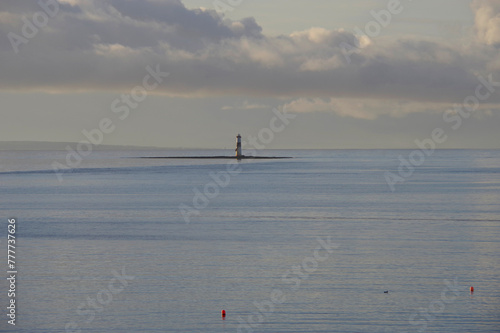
<point>308,244</point>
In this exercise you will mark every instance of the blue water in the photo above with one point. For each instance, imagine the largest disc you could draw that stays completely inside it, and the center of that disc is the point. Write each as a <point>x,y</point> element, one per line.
<point>254,247</point>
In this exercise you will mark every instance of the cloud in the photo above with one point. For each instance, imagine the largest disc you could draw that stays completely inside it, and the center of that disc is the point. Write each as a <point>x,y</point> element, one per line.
<point>105,45</point>
<point>369,109</point>
<point>246,106</point>
<point>487,21</point>
<point>356,108</point>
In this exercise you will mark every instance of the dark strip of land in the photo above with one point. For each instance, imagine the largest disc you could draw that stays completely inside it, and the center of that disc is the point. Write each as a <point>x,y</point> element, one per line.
<point>220,157</point>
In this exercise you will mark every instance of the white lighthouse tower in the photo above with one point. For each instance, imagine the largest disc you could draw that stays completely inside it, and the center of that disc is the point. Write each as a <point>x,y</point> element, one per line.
<point>238,146</point>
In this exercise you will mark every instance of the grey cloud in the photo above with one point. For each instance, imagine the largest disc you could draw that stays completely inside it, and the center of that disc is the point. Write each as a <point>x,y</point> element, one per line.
<point>25,7</point>
<point>188,23</point>
<point>106,45</point>
<point>16,6</point>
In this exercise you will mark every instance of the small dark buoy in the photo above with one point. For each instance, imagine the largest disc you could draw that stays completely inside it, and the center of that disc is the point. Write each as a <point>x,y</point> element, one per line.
<point>223,314</point>
<point>471,289</point>
<point>386,292</point>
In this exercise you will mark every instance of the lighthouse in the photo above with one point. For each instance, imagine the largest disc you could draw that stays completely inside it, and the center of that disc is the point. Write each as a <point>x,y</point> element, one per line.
<point>238,146</point>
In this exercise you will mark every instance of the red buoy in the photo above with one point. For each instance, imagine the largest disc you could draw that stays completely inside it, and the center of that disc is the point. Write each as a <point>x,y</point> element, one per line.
<point>223,313</point>
<point>471,289</point>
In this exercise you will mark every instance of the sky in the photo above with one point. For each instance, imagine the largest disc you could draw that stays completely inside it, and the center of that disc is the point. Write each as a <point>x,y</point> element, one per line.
<point>358,74</point>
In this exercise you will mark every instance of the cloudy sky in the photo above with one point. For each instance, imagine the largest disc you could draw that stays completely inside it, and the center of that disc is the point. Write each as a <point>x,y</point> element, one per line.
<point>357,74</point>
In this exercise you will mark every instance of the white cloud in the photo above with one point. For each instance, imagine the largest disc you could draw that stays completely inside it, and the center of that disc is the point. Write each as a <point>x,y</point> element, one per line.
<point>246,106</point>
<point>487,20</point>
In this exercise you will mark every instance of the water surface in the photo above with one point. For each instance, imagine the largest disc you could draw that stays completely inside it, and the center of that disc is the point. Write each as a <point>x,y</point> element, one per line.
<point>437,234</point>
